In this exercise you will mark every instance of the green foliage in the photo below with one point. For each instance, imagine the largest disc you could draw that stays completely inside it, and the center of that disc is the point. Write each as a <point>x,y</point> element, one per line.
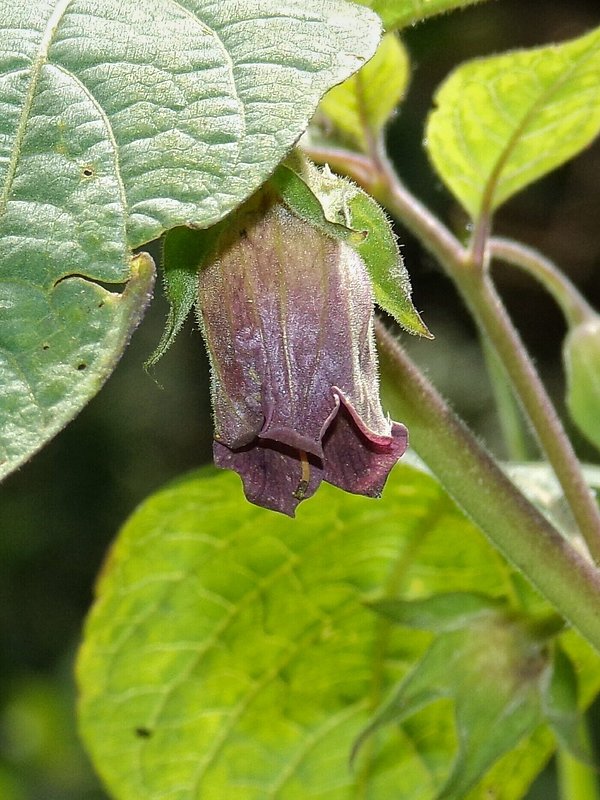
<point>401,13</point>
<point>502,122</point>
<point>231,650</point>
<point>118,123</point>
<point>59,341</point>
<point>493,687</point>
<point>360,107</point>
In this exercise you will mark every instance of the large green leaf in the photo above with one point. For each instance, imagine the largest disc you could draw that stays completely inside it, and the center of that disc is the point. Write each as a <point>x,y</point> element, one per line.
<point>120,120</point>
<point>401,13</point>
<point>230,653</point>
<point>503,122</point>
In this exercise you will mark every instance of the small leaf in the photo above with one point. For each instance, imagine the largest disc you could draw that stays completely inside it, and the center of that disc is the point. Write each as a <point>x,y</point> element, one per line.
<point>560,703</point>
<point>401,13</point>
<point>442,612</point>
<point>491,669</point>
<point>581,355</point>
<point>361,106</point>
<point>503,122</point>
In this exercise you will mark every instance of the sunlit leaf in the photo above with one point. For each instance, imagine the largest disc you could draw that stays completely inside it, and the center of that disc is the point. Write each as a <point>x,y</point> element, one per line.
<point>231,652</point>
<point>502,122</point>
<point>120,120</point>
<point>400,13</point>
<point>360,107</point>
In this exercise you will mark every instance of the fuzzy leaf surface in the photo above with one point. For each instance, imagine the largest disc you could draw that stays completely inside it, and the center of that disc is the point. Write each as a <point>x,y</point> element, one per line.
<point>230,651</point>
<point>121,120</point>
<point>501,123</point>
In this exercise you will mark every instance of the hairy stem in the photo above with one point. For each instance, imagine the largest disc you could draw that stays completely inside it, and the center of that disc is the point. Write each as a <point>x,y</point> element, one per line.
<point>490,314</point>
<point>574,306</point>
<point>509,520</point>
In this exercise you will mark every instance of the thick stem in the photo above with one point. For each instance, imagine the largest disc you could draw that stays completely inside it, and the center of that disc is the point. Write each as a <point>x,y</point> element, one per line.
<point>574,306</point>
<point>489,498</point>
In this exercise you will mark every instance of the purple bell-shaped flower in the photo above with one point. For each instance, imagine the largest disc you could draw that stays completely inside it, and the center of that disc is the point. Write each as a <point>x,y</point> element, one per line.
<point>287,316</point>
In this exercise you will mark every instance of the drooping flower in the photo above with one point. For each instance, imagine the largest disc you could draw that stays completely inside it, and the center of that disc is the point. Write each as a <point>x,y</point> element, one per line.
<point>287,316</point>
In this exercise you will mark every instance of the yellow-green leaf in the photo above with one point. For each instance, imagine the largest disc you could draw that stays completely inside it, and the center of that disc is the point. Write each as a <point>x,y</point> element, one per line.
<point>503,122</point>
<point>231,654</point>
<point>360,107</point>
<point>400,13</point>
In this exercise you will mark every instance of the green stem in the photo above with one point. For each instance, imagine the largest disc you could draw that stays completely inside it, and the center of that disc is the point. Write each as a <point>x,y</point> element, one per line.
<point>574,306</point>
<point>490,314</point>
<point>494,324</point>
<point>472,477</point>
<point>576,780</point>
<point>511,418</point>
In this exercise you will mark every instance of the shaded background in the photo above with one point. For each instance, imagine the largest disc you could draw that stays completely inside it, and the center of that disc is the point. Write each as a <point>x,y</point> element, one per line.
<point>59,513</point>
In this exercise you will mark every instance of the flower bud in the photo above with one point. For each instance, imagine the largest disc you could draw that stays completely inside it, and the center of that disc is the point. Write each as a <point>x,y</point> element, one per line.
<point>581,353</point>
<point>287,316</point>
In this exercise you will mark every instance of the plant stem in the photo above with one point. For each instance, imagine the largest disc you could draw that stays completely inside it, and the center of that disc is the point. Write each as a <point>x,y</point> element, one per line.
<point>574,306</point>
<point>466,267</point>
<point>489,498</point>
<point>509,411</point>
<point>490,314</point>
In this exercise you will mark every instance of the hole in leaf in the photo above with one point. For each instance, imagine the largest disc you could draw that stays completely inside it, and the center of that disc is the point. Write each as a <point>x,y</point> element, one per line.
<point>81,367</point>
<point>88,171</point>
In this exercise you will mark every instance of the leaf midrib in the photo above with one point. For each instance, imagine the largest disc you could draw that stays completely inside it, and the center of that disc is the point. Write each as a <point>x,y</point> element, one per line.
<point>494,179</point>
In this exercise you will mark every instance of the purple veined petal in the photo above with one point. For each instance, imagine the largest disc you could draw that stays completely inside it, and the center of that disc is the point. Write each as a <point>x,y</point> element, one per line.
<point>274,475</point>
<point>356,458</point>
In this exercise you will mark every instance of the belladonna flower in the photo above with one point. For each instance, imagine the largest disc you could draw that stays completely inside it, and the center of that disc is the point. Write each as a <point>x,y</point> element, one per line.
<point>287,315</point>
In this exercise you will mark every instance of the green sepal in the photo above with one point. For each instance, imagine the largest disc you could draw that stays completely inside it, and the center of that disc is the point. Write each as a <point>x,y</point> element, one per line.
<point>560,704</point>
<point>185,251</point>
<point>343,210</point>
<point>381,254</point>
<point>298,196</point>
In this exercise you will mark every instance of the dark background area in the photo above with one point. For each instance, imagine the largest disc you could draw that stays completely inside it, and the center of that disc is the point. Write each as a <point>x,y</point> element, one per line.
<point>59,513</point>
